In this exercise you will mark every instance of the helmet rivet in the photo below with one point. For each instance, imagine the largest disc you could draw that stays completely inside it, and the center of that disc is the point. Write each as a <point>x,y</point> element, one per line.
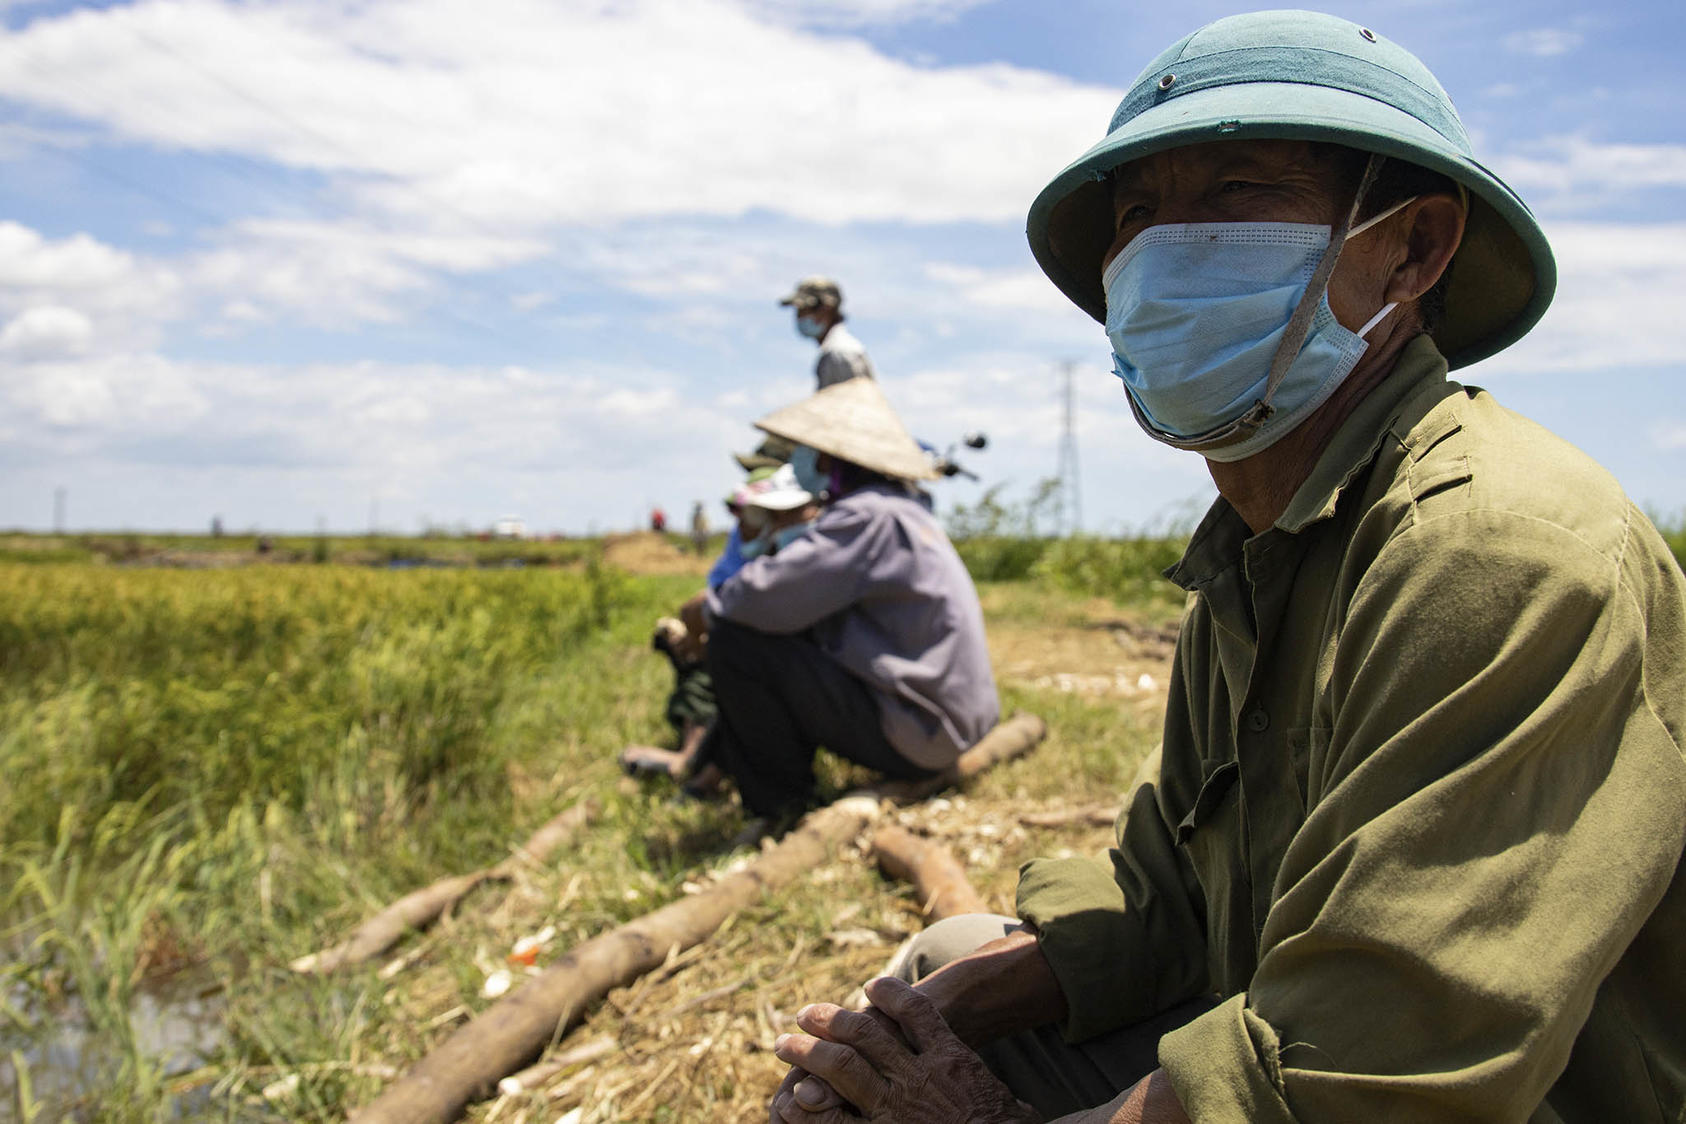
<point>1165,82</point>
<point>1367,33</point>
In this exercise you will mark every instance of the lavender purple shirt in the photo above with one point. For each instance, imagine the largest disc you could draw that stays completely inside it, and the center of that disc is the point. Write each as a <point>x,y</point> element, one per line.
<point>882,592</point>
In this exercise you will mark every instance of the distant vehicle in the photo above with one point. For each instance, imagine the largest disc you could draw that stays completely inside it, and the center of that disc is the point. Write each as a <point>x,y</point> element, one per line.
<point>510,527</point>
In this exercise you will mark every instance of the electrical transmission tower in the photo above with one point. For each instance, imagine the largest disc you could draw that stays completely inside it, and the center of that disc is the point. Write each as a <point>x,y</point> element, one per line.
<point>1068,512</point>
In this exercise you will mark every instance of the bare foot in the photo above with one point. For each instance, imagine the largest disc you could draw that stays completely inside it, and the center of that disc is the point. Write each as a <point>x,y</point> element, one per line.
<point>649,760</point>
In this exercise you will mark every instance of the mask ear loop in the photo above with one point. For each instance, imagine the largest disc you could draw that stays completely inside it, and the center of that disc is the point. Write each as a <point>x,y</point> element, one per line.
<point>1376,319</point>
<point>1299,325</point>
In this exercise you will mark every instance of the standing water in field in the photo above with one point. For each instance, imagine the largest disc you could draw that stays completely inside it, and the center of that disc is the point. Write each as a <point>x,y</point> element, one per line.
<point>63,1050</point>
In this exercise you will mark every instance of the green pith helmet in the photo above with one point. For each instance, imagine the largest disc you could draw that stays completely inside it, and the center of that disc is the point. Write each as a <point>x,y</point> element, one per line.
<point>1306,76</point>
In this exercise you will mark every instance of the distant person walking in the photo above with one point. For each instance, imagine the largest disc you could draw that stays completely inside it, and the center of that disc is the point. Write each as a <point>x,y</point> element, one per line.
<point>819,316</point>
<point>699,528</point>
<point>658,520</point>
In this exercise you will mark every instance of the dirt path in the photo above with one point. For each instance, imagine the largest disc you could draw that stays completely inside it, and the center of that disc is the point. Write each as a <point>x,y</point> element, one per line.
<point>646,552</point>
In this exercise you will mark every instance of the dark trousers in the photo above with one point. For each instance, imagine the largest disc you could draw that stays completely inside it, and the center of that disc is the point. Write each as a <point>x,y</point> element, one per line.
<point>779,699</point>
<point>692,700</point>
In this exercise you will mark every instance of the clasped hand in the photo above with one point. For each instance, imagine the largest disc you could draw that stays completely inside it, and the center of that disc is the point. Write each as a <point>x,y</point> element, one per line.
<point>896,1063</point>
<point>692,647</point>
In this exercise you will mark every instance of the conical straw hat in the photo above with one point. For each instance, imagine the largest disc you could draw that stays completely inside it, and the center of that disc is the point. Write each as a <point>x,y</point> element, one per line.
<point>853,420</point>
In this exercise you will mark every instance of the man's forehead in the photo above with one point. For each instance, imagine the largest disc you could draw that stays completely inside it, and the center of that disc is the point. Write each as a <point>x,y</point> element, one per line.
<point>1233,156</point>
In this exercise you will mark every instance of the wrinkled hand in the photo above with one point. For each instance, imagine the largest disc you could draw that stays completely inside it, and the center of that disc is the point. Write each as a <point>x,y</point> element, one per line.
<point>812,1093</point>
<point>692,647</point>
<point>899,1064</point>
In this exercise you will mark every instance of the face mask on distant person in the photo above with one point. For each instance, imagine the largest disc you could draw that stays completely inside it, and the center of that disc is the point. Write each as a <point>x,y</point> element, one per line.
<point>750,522</point>
<point>809,327</point>
<point>804,461</point>
<point>753,549</point>
<point>1195,313</point>
<point>787,535</point>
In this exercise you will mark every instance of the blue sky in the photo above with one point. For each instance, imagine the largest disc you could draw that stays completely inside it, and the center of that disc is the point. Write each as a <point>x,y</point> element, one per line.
<point>286,261</point>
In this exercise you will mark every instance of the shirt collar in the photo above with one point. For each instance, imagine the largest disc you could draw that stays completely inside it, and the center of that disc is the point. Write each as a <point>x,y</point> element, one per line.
<point>1217,542</point>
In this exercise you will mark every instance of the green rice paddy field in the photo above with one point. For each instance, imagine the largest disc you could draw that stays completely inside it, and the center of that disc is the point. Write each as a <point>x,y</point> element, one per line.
<point>208,770</point>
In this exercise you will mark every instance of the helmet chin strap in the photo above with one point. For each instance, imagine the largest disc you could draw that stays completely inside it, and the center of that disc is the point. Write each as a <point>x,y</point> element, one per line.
<point>1293,336</point>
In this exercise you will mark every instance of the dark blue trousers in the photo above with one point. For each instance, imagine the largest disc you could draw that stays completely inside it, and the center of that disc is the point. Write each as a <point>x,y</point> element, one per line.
<point>780,698</point>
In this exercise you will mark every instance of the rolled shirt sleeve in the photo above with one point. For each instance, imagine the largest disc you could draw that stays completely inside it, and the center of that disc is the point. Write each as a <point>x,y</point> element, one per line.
<point>1121,934</point>
<point>1495,808</point>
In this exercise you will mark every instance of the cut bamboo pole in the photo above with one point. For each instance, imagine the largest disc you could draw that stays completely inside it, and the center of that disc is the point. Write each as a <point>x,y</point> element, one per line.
<point>468,1064</point>
<point>936,875</point>
<point>421,908</point>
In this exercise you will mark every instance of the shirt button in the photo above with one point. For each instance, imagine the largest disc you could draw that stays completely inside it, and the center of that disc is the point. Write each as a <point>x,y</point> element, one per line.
<point>1258,721</point>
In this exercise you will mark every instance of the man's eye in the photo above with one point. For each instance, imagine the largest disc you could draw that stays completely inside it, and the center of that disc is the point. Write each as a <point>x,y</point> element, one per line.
<point>1236,185</point>
<point>1132,213</point>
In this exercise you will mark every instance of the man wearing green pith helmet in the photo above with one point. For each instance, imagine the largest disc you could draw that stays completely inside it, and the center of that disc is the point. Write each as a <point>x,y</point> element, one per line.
<point>1414,852</point>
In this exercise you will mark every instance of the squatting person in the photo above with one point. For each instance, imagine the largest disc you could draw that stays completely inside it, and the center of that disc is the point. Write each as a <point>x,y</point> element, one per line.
<point>769,510</point>
<point>1415,849</point>
<point>863,635</point>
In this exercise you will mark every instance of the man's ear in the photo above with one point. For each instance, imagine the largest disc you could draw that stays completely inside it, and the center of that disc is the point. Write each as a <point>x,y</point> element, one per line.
<point>1436,228</point>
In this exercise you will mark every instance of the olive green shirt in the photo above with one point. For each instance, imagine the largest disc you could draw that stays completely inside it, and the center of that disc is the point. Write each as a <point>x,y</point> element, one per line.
<point>1423,800</point>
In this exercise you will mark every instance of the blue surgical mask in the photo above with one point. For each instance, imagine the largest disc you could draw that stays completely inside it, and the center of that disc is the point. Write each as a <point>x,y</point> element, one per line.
<point>813,329</point>
<point>787,535</point>
<point>805,463</point>
<point>1196,312</point>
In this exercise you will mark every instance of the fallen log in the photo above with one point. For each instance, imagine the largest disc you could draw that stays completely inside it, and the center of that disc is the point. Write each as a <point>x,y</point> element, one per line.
<point>421,908</point>
<point>935,874</point>
<point>467,1065</point>
<point>1016,736</point>
<point>1100,815</point>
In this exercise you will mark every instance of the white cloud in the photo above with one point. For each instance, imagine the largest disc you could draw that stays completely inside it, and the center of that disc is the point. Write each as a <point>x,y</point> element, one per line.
<point>1019,290</point>
<point>126,296</point>
<point>105,395</point>
<point>30,263</point>
<point>453,140</point>
<point>861,13</point>
<point>1617,304</point>
<point>390,417</point>
<point>336,273</point>
<point>47,331</point>
<point>1576,166</point>
<point>1669,437</point>
<point>1543,42</point>
<point>534,114</point>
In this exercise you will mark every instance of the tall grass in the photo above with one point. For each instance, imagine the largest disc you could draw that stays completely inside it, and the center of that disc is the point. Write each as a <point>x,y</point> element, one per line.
<point>206,766</point>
